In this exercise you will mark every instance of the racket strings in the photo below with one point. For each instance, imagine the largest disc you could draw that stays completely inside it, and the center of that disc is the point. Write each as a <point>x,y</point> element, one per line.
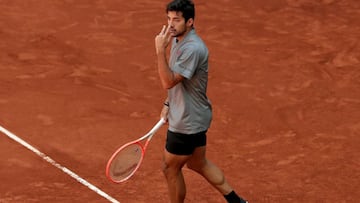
<point>126,162</point>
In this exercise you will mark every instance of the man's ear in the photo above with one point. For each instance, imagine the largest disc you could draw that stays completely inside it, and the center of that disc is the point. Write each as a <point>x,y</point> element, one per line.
<point>190,22</point>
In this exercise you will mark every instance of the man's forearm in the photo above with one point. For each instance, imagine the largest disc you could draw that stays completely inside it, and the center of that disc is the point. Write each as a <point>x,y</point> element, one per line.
<point>165,73</point>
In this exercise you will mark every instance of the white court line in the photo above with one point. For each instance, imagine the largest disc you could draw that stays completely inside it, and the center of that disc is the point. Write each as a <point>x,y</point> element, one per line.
<point>54,163</point>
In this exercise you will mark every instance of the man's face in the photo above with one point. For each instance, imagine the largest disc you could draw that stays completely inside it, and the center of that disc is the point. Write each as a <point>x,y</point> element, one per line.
<point>178,26</point>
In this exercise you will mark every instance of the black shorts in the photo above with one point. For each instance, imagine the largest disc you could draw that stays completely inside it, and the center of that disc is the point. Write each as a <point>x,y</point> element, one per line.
<point>184,144</point>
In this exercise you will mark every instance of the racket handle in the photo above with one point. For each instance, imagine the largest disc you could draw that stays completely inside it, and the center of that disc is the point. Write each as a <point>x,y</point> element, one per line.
<point>157,126</point>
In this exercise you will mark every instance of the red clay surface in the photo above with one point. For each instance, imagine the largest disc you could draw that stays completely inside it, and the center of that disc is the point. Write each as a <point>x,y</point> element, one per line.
<point>78,79</point>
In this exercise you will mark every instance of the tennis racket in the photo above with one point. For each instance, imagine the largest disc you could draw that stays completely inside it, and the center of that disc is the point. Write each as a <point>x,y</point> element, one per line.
<point>127,159</point>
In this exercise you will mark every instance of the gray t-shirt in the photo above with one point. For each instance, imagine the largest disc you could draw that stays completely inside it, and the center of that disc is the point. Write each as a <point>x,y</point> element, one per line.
<point>190,110</point>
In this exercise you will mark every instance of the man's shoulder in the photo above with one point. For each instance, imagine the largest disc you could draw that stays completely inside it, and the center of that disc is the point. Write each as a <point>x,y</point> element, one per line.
<point>194,41</point>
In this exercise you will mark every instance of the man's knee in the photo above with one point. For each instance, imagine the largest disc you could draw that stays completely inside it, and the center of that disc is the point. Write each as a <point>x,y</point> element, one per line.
<point>165,168</point>
<point>169,170</point>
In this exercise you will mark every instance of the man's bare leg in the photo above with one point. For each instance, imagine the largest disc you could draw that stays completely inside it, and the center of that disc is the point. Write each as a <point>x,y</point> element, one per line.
<point>172,170</point>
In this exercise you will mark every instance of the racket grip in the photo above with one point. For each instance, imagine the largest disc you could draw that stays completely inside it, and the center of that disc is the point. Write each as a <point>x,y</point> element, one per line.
<point>157,126</point>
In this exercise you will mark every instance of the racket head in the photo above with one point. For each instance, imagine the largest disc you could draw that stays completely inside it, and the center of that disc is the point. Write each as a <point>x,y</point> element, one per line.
<point>124,162</point>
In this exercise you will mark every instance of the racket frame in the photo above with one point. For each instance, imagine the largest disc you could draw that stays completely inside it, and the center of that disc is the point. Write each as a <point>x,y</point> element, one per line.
<point>147,136</point>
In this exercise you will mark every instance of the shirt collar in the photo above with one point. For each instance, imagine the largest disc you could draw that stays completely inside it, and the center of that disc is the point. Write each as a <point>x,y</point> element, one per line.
<point>191,32</point>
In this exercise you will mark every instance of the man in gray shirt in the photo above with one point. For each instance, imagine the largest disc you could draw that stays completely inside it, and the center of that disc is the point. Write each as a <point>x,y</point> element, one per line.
<point>187,108</point>
<point>189,58</point>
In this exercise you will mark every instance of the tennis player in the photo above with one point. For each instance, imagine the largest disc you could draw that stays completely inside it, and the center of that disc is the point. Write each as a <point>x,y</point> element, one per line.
<point>187,108</point>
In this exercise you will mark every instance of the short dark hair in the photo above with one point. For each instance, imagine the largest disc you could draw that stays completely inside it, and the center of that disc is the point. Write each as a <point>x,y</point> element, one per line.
<point>187,8</point>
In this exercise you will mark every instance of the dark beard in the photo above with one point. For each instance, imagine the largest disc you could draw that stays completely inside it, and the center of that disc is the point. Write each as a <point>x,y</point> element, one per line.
<point>179,34</point>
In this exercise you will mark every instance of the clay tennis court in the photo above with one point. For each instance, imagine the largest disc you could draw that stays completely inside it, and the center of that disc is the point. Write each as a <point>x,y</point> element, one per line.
<point>78,79</point>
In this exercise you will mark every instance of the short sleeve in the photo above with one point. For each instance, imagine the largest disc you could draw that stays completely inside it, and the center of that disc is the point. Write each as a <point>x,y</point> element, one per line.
<point>187,62</point>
